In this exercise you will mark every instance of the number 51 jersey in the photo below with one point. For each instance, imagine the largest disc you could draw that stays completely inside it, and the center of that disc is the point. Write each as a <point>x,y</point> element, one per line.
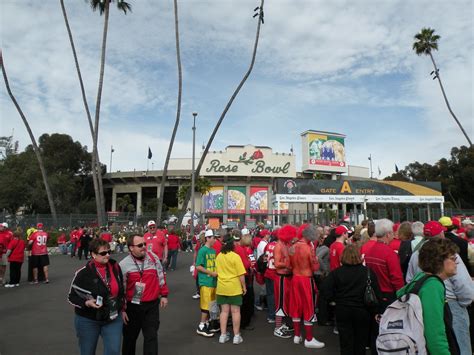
<point>39,246</point>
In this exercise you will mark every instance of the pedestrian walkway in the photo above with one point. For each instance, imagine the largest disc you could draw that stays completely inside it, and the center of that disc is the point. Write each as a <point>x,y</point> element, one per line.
<point>38,320</point>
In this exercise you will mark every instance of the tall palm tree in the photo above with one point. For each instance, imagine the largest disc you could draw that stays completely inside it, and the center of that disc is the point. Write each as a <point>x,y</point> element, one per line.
<point>33,142</point>
<point>95,158</point>
<point>103,6</point>
<point>178,114</point>
<point>426,42</point>
<point>259,15</point>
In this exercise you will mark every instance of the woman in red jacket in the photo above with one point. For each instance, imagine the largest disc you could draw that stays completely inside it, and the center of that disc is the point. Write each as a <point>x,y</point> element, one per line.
<point>16,256</point>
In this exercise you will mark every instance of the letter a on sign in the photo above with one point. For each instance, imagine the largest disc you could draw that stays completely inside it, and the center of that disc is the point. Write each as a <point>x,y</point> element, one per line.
<point>346,187</point>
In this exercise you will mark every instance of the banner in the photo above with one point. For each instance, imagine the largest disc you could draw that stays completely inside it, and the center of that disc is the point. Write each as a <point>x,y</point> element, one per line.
<point>236,199</point>
<point>258,200</point>
<point>213,201</point>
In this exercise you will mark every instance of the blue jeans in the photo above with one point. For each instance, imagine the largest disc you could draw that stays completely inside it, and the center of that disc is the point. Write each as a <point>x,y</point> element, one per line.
<point>172,259</point>
<point>461,327</point>
<point>88,331</point>
<point>270,298</point>
<point>63,249</point>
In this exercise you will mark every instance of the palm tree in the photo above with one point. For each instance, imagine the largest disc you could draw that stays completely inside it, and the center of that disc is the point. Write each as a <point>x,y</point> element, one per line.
<point>178,114</point>
<point>103,6</point>
<point>426,42</point>
<point>259,15</point>
<point>95,158</point>
<point>33,142</point>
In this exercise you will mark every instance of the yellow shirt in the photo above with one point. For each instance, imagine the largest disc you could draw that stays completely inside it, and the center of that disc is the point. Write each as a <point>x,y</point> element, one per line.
<point>229,267</point>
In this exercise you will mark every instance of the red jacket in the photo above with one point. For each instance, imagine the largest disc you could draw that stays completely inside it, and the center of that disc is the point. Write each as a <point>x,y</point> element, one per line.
<point>17,246</point>
<point>382,260</point>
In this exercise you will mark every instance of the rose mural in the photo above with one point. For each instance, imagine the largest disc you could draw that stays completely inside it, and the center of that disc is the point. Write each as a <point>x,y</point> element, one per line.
<point>243,158</point>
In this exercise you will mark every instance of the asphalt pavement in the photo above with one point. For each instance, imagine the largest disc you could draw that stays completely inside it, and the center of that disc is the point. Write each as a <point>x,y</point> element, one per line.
<point>38,320</point>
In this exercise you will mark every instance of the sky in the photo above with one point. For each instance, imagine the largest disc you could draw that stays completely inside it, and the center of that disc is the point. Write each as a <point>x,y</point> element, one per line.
<point>338,66</point>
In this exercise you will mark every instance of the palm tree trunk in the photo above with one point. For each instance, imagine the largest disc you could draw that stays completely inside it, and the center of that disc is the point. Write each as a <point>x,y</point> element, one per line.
<point>89,118</point>
<point>227,107</point>
<point>178,114</point>
<point>447,102</point>
<point>33,142</point>
<point>97,108</point>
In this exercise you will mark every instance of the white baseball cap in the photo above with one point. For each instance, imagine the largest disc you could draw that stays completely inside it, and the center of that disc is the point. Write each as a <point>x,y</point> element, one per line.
<point>465,222</point>
<point>5,224</point>
<point>151,223</point>
<point>209,233</point>
<point>244,231</point>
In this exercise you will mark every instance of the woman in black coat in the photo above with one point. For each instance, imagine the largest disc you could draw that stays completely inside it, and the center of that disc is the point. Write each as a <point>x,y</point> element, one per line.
<point>97,294</point>
<point>346,286</point>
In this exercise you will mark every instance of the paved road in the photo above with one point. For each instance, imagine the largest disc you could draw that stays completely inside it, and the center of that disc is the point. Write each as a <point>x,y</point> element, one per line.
<point>38,320</point>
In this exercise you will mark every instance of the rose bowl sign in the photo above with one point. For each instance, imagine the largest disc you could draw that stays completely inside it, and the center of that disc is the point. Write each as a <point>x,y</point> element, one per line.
<point>248,160</point>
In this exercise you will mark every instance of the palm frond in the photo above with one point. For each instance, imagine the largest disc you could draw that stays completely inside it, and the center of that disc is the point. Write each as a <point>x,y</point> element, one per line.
<point>124,6</point>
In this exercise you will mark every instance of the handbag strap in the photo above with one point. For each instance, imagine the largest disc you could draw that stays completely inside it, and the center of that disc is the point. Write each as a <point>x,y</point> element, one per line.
<point>369,281</point>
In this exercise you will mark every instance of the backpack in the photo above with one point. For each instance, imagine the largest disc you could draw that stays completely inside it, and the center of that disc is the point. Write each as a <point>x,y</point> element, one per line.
<point>401,329</point>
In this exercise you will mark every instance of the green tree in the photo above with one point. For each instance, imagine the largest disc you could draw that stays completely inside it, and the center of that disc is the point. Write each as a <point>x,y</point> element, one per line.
<point>70,180</point>
<point>178,114</point>
<point>33,141</point>
<point>259,16</point>
<point>7,147</point>
<point>124,204</point>
<point>202,186</point>
<point>426,42</point>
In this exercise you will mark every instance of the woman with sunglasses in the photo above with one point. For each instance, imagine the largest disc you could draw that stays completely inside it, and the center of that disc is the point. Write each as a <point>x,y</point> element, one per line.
<point>97,294</point>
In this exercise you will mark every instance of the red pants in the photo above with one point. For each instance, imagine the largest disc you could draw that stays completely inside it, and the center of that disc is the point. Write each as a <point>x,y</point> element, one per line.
<point>303,299</point>
<point>282,289</point>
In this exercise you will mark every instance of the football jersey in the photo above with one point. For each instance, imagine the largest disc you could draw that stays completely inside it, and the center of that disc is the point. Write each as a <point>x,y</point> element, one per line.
<point>40,240</point>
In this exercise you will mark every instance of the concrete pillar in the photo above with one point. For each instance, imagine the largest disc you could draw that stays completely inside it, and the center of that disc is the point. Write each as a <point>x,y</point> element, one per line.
<point>114,200</point>
<point>139,202</point>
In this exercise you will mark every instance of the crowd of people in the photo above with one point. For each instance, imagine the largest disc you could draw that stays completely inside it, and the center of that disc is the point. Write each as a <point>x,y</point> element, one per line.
<point>303,276</point>
<point>311,275</point>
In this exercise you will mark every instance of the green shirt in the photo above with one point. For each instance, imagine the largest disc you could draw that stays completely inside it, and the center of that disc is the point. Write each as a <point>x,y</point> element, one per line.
<point>206,258</point>
<point>432,297</point>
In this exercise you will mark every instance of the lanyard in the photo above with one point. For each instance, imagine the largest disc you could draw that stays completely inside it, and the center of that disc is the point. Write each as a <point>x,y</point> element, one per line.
<point>106,281</point>
<point>138,268</point>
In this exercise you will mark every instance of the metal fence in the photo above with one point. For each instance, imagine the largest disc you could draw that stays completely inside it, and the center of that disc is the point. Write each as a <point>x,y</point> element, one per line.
<point>324,217</point>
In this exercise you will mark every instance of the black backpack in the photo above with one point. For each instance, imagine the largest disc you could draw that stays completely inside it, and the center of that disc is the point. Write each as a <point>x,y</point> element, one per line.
<point>262,263</point>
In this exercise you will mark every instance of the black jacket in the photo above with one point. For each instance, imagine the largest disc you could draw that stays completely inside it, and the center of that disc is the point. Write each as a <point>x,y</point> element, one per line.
<point>87,284</point>
<point>462,245</point>
<point>346,285</point>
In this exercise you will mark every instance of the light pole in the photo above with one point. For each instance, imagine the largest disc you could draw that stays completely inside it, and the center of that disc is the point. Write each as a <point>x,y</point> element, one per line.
<point>370,159</point>
<point>111,152</point>
<point>193,178</point>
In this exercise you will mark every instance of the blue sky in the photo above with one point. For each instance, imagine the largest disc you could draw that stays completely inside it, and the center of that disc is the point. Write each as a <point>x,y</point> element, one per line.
<point>340,66</point>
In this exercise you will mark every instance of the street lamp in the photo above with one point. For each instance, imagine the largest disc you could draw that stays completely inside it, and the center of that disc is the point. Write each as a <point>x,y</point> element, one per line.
<point>111,152</point>
<point>193,175</point>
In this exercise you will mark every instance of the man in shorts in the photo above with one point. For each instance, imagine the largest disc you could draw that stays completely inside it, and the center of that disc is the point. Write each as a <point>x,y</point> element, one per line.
<point>39,252</point>
<point>207,281</point>
<point>303,295</point>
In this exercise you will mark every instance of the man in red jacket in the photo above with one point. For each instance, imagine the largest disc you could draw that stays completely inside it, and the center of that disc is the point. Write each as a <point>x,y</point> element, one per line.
<point>16,256</point>
<point>336,248</point>
<point>145,291</point>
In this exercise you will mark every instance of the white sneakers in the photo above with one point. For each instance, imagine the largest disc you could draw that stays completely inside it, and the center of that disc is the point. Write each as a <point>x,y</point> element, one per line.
<point>297,339</point>
<point>224,338</point>
<point>237,339</point>
<point>313,344</point>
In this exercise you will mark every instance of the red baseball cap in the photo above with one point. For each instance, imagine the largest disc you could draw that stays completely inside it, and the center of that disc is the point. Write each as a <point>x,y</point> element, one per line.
<point>264,232</point>
<point>456,222</point>
<point>341,230</point>
<point>432,228</point>
<point>39,225</point>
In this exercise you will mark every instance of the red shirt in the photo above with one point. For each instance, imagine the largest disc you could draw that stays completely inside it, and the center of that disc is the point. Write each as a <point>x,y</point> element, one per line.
<point>173,242</point>
<point>106,236</point>
<point>382,260</point>
<point>255,242</point>
<point>17,246</point>
<point>217,246</point>
<point>5,237</point>
<point>395,244</point>
<point>39,246</point>
<point>111,284</point>
<point>366,247</point>
<point>240,250</point>
<point>335,255</point>
<point>156,243</point>
<point>270,272</point>
<point>62,239</point>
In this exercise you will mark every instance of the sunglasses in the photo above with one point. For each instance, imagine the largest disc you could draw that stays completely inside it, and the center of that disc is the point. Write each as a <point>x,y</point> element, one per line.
<point>141,245</point>
<point>105,252</point>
